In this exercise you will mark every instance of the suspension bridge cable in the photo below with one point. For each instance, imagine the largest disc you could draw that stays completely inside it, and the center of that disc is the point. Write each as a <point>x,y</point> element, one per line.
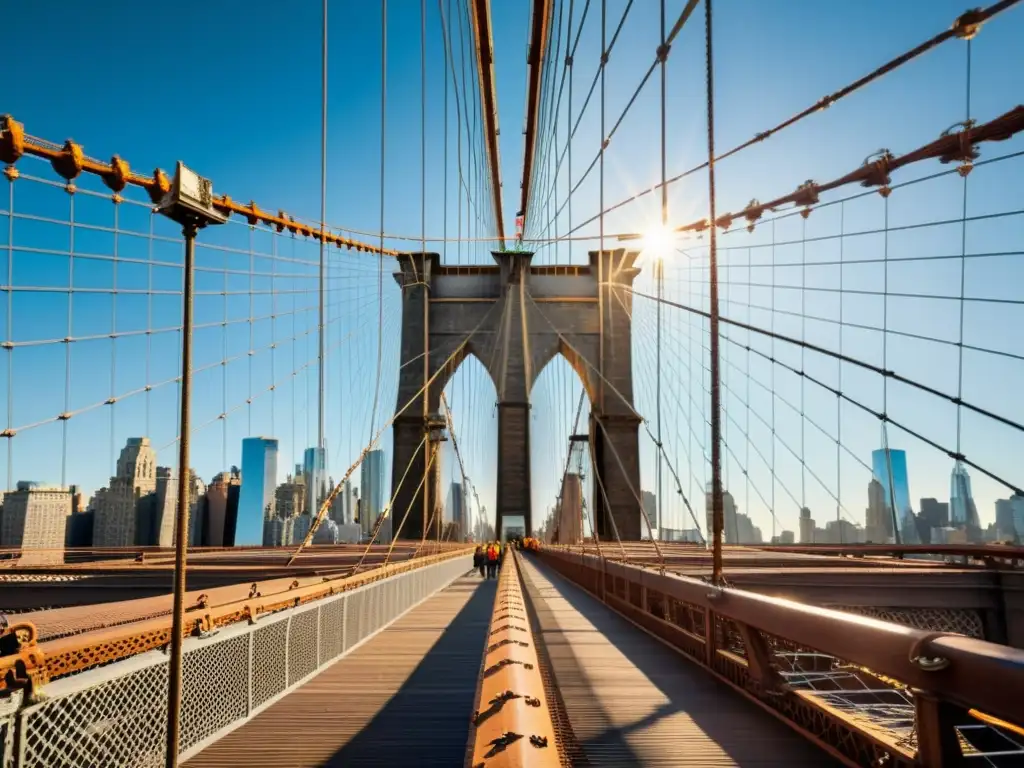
<point>965,27</point>
<point>459,350</point>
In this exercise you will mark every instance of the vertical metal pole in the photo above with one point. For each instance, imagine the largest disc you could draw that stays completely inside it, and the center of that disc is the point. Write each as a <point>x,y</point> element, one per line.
<point>659,274</point>
<point>181,518</point>
<point>317,470</point>
<point>427,455</point>
<point>716,414</point>
<point>659,265</point>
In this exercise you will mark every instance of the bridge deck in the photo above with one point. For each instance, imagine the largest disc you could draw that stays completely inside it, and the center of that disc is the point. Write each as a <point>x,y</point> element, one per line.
<point>630,700</point>
<point>405,697</point>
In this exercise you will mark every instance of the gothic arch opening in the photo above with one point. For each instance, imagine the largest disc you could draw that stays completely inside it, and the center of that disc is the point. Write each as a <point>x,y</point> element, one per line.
<point>468,460</point>
<point>560,407</point>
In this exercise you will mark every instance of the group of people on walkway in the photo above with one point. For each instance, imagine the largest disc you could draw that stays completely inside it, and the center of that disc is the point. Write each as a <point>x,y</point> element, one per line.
<point>487,556</point>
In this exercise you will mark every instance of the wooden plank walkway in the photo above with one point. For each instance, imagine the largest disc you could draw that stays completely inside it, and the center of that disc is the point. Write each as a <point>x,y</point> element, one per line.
<point>631,700</point>
<point>404,698</point>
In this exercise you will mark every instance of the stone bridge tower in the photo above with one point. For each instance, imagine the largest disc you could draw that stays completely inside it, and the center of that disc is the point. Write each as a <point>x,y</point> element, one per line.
<point>517,317</point>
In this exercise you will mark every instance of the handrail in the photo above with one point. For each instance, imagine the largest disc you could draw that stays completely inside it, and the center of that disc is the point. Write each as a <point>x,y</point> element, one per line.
<point>975,674</point>
<point>34,663</point>
<point>512,723</point>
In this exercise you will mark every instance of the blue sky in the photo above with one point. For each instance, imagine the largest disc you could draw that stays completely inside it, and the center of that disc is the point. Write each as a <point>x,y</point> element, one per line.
<point>236,95</point>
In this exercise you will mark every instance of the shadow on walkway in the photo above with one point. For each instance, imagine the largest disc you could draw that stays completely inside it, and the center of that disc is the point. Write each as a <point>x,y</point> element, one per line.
<point>633,701</point>
<point>427,720</point>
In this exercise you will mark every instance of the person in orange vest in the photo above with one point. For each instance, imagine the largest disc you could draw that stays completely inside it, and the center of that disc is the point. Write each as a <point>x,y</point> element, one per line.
<point>493,553</point>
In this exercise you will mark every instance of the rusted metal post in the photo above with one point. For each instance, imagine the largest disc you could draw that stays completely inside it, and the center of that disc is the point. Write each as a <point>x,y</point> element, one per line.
<point>716,395</point>
<point>181,519</point>
<point>936,720</point>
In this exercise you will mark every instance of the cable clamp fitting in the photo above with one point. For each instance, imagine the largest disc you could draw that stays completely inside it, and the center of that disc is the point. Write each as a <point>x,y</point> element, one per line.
<point>968,24</point>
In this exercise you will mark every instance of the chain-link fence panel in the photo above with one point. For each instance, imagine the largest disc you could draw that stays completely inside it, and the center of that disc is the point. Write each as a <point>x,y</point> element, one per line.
<point>302,645</point>
<point>6,742</point>
<point>332,630</point>
<point>121,721</point>
<point>117,715</point>
<point>269,675</point>
<point>215,683</point>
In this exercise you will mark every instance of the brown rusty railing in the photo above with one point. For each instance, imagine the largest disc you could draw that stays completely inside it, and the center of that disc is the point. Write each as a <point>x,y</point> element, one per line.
<point>512,724</point>
<point>869,692</point>
<point>26,662</point>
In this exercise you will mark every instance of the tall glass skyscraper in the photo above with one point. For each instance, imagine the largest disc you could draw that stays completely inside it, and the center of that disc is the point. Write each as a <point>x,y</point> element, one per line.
<point>457,506</point>
<point>256,498</point>
<point>372,489</point>
<point>962,511</point>
<point>314,473</point>
<point>891,465</point>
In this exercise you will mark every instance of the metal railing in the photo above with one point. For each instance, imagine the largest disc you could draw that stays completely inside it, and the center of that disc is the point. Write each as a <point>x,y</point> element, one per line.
<point>117,714</point>
<point>869,692</point>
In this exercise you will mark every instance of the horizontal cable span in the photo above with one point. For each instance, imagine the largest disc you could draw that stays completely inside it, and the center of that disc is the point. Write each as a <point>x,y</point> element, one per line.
<point>274,385</point>
<point>67,415</point>
<point>175,328</point>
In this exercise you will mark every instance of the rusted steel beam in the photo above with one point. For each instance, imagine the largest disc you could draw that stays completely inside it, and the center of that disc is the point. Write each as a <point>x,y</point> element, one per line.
<point>512,726</point>
<point>70,161</point>
<point>975,551</point>
<point>484,38</point>
<point>34,663</point>
<point>968,672</point>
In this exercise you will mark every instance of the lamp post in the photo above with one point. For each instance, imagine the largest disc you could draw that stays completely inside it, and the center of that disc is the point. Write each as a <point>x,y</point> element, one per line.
<point>190,203</point>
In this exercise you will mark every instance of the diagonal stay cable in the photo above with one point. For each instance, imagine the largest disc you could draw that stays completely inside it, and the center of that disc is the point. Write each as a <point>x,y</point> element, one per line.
<point>883,417</point>
<point>661,55</point>
<point>387,510</point>
<point>326,505</point>
<point>965,26</point>
<point>881,371</point>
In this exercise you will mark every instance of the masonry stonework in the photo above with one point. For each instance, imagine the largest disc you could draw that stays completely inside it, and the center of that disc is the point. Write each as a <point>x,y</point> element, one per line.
<point>515,317</point>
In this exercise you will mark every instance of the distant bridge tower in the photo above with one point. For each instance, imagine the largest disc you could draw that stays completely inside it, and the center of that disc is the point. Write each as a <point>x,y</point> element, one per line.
<point>523,315</point>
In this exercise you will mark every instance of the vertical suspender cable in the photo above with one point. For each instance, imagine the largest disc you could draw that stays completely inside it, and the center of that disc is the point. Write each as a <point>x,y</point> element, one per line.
<point>716,415</point>
<point>380,262</point>
<point>316,480</point>
<point>659,270</point>
<point>600,276</point>
<point>428,445</point>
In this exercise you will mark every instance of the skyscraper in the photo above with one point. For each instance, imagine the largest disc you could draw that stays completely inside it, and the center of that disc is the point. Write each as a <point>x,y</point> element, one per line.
<point>36,518</point>
<point>730,525</point>
<point>570,510</point>
<point>119,506</point>
<point>935,513</point>
<point>651,511</point>
<point>890,469</point>
<point>218,512</point>
<point>343,509</point>
<point>879,520</point>
<point>962,511</point>
<point>806,527</point>
<point>256,498</point>
<point>372,490</point>
<point>457,506</point>
<point>1006,530</point>
<point>314,472</point>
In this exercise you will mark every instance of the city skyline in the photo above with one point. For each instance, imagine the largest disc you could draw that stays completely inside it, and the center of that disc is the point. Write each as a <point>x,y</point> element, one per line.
<point>269,384</point>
